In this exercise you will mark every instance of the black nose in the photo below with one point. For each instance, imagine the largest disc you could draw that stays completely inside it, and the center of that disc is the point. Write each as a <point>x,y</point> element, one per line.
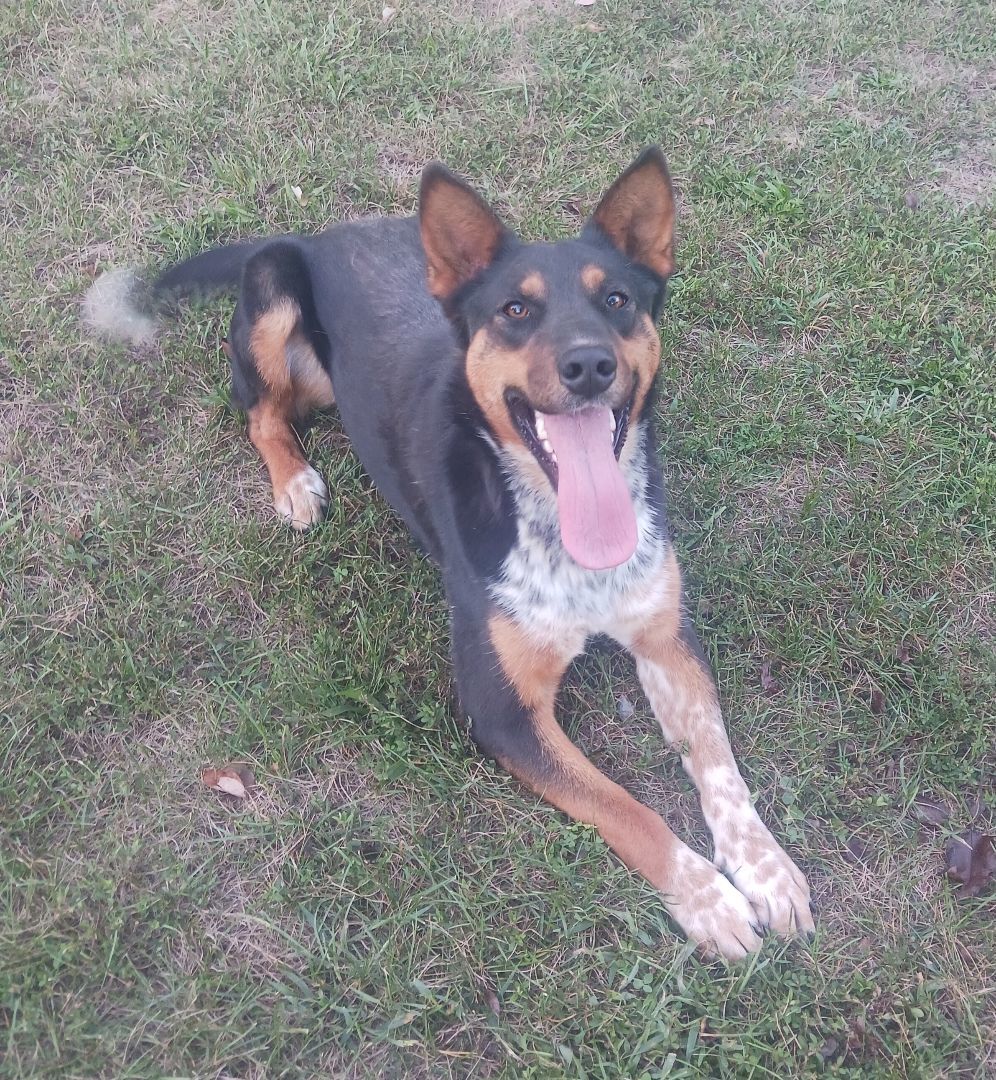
<point>587,371</point>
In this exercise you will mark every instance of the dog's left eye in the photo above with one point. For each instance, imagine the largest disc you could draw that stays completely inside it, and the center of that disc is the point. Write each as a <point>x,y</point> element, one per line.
<point>617,300</point>
<point>515,309</point>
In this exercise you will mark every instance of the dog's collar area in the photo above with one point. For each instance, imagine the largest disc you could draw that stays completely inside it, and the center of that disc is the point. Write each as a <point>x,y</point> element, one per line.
<point>531,426</point>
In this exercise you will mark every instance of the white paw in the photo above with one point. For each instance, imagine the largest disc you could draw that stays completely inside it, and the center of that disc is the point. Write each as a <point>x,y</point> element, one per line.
<point>303,500</point>
<point>775,886</point>
<point>711,911</point>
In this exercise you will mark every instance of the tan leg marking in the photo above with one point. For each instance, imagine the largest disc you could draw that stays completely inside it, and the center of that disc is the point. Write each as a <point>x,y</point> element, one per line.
<point>702,901</point>
<point>295,385</point>
<point>268,344</point>
<point>312,386</point>
<point>299,493</point>
<point>684,699</point>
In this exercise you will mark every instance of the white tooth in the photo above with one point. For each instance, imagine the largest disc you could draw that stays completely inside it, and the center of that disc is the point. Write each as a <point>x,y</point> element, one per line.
<point>612,419</point>
<point>540,426</point>
<point>547,447</point>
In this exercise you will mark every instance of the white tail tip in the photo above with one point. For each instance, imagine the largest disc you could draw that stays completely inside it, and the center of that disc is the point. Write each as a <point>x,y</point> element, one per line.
<point>113,308</point>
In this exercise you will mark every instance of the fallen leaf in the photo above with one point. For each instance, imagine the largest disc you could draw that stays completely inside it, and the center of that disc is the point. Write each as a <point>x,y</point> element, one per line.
<point>829,1050</point>
<point>232,780</point>
<point>928,811</point>
<point>388,14</point>
<point>624,707</point>
<point>769,684</point>
<point>971,861</point>
<point>876,702</point>
<point>911,199</point>
<point>584,3</point>
<point>298,194</point>
<point>231,785</point>
<point>491,1000</point>
<point>857,850</point>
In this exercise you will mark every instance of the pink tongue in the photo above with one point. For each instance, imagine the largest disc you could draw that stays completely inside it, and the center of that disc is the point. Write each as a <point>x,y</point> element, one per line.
<point>597,523</point>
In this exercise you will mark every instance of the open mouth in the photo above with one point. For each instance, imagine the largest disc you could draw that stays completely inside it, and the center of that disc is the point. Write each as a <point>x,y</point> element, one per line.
<point>532,426</point>
<point>579,452</point>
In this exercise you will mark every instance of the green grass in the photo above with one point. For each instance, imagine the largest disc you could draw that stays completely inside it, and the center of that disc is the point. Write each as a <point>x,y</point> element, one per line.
<point>387,903</point>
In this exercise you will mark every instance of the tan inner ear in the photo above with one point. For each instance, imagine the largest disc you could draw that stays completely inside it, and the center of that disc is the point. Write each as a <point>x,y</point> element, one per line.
<point>637,215</point>
<point>460,235</point>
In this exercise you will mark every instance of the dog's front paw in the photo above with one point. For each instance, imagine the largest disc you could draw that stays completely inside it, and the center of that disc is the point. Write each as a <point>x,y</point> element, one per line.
<point>302,500</point>
<point>774,885</point>
<point>711,911</point>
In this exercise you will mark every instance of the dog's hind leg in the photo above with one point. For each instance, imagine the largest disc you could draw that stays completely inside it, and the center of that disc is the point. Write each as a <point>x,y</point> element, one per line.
<point>280,375</point>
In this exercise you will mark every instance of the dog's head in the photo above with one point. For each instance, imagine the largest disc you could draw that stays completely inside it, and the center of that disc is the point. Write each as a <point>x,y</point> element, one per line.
<point>561,341</point>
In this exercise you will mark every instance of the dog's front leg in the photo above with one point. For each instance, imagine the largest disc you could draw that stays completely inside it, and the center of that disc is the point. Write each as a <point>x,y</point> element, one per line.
<point>508,679</point>
<point>680,686</point>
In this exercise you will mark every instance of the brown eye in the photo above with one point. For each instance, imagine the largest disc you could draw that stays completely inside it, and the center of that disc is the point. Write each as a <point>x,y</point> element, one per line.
<point>617,300</point>
<point>515,309</point>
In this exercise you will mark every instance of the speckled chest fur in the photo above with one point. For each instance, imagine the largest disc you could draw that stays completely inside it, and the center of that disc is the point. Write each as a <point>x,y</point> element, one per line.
<point>541,586</point>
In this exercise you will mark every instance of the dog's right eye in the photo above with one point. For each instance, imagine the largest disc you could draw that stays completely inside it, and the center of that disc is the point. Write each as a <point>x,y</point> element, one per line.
<point>515,309</point>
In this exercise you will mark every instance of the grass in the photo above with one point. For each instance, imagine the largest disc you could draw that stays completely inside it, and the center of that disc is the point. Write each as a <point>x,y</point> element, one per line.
<point>387,903</point>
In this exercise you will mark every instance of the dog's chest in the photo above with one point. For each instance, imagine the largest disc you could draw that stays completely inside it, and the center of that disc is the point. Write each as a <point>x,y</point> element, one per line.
<point>541,587</point>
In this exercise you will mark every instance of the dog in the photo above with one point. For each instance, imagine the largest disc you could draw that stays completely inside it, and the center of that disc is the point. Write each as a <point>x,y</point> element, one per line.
<point>500,394</point>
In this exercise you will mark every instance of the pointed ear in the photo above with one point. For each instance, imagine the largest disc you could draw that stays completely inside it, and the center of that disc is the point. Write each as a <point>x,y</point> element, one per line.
<point>637,213</point>
<point>460,233</point>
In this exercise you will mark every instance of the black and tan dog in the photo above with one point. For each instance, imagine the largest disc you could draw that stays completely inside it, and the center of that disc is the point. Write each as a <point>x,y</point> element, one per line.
<point>500,395</point>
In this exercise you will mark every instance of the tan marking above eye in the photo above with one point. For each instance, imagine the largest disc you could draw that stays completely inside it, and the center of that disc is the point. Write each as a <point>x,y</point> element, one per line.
<point>592,277</point>
<point>533,287</point>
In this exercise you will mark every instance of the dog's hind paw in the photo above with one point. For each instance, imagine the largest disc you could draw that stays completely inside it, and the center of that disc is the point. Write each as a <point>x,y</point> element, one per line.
<point>303,499</point>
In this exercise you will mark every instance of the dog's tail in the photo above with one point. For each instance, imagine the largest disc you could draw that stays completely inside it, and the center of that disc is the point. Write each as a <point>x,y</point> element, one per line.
<point>123,306</point>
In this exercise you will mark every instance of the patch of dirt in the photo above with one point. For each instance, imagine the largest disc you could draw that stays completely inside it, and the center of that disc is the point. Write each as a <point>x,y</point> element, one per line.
<point>975,610</point>
<point>168,803</point>
<point>818,81</point>
<point>969,178</point>
<point>838,90</point>
<point>932,70</point>
<point>187,13</point>
<point>401,167</point>
<point>779,501</point>
<point>528,10</point>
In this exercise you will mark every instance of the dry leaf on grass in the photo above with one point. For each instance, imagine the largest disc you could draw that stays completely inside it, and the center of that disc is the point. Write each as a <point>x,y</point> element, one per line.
<point>929,811</point>
<point>624,707</point>
<point>971,861</point>
<point>232,780</point>
<point>769,684</point>
<point>388,14</point>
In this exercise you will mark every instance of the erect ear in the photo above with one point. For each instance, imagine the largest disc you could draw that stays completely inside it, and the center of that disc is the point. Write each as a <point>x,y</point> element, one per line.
<point>460,233</point>
<point>637,213</point>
